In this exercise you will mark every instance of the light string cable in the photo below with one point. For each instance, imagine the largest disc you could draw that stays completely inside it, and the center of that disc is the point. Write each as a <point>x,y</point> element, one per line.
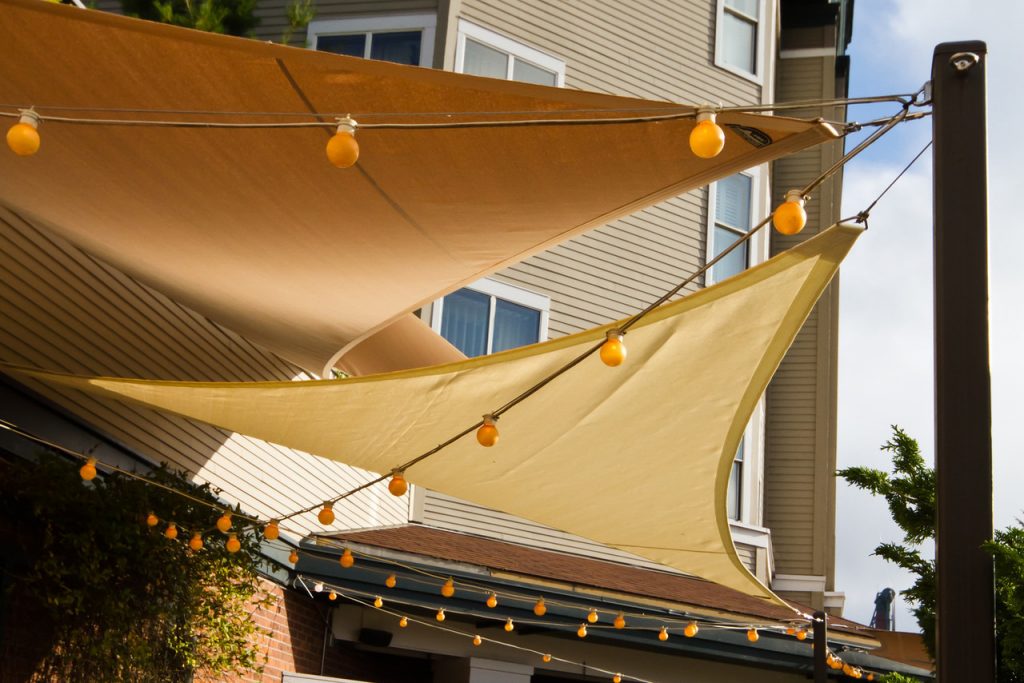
<point>676,112</point>
<point>527,393</point>
<point>422,622</point>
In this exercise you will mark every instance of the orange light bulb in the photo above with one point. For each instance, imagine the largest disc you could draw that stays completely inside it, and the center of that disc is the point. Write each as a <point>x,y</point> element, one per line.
<point>707,139</point>
<point>592,616</point>
<point>271,531</point>
<point>752,635</point>
<point>546,658</point>
<point>346,560</point>
<point>582,631</point>
<point>398,485</point>
<point>801,634</point>
<point>196,542</point>
<point>620,621</point>
<point>448,589</point>
<point>391,581</point>
<point>233,545</point>
<point>378,602</point>
<point>440,615</point>
<point>477,640</point>
<point>342,148</point>
<point>152,520</point>
<point>88,470</point>
<point>293,557</point>
<point>613,351</point>
<point>224,523</point>
<point>617,678</point>
<point>487,435</point>
<point>663,634</point>
<point>172,531</point>
<point>326,514</point>
<point>403,622</point>
<point>509,625</point>
<point>790,217</point>
<point>23,137</point>
<point>691,629</point>
<point>539,608</point>
<point>492,601</point>
<point>332,596</point>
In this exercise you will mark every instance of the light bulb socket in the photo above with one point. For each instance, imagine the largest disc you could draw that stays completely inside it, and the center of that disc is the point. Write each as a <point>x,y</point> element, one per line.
<point>347,124</point>
<point>30,117</point>
<point>796,196</point>
<point>490,419</point>
<point>706,112</point>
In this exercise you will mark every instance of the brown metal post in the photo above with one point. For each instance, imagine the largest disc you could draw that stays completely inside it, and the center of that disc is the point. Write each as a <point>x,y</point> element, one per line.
<point>963,406</point>
<point>820,647</point>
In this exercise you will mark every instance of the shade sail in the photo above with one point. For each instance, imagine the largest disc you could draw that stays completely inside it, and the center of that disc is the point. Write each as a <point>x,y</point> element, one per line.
<point>637,457</point>
<point>254,229</point>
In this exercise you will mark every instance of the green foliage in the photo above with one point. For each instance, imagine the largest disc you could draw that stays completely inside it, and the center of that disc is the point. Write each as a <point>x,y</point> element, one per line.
<point>234,17</point>
<point>300,13</point>
<point>898,678</point>
<point>126,603</point>
<point>910,493</point>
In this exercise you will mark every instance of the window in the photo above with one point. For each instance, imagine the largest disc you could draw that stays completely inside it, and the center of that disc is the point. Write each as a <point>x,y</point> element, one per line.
<point>482,52</point>
<point>400,38</point>
<point>730,202</point>
<point>734,498</point>
<point>738,37</point>
<point>490,316</point>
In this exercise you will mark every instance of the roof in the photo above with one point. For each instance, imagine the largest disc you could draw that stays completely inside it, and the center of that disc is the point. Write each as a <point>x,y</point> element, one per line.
<point>900,646</point>
<point>545,564</point>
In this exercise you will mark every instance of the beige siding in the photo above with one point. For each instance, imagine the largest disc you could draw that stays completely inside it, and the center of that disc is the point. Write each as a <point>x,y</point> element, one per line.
<point>748,556</point>
<point>61,309</point>
<point>800,449</point>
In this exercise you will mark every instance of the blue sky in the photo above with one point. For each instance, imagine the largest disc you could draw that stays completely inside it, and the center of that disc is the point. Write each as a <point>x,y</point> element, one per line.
<point>886,303</point>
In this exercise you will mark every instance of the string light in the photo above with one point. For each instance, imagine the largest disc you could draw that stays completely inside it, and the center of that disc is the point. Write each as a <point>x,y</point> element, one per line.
<point>707,138</point>
<point>398,485</point>
<point>196,542</point>
<point>271,531</point>
<point>318,586</point>
<point>790,217</point>
<point>403,622</point>
<point>546,658</point>
<point>613,350</point>
<point>233,545</point>
<point>492,600</point>
<point>88,470</point>
<point>752,635</point>
<point>509,625</point>
<point>391,581</point>
<point>293,557</point>
<point>477,640</point>
<point>342,148</point>
<point>582,631</point>
<point>620,621</point>
<point>539,608</point>
<point>152,520</point>
<point>801,634</point>
<point>332,596</point>
<point>326,514</point>
<point>691,629</point>
<point>592,616</point>
<point>790,631</point>
<point>172,531</point>
<point>617,678</point>
<point>487,435</point>
<point>346,560</point>
<point>224,523</point>
<point>448,589</point>
<point>378,602</point>
<point>440,614</point>
<point>23,137</point>
<point>663,633</point>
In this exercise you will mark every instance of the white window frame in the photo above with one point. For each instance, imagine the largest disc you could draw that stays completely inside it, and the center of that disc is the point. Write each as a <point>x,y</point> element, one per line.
<point>507,292</point>
<point>509,46</point>
<point>755,245</point>
<point>425,22</point>
<point>759,51</point>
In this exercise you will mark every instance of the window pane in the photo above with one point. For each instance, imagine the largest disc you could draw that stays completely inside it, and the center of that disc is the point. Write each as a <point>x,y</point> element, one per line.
<point>732,201</point>
<point>528,73</point>
<point>514,325</point>
<point>464,319</point>
<point>732,498</point>
<point>353,44</point>
<point>481,60</point>
<point>748,7</point>
<point>735,262</point>
<point>402,47</point>
<point>740,42</point>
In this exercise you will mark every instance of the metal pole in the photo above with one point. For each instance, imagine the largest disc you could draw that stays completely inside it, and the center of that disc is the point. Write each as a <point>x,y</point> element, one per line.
<point>965,632</point>
<point>820,647</point>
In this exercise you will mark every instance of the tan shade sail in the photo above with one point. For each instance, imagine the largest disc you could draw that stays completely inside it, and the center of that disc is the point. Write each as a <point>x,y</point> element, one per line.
<point>637,457</point>
<point>256,230</point>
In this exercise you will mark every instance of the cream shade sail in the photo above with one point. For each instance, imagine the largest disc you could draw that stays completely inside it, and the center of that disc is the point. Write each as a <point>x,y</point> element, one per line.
<point>637,456</point>
<point>254,229</point>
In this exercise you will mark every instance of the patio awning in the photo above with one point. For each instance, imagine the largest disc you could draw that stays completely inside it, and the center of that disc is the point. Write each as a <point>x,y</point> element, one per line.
<point>636,457</point>
<point>254,229</point>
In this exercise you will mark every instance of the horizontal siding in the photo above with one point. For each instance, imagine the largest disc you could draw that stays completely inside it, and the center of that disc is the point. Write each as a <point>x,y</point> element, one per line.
<point>61,309</point>
<point>273,14</point>
<point>748,556</point>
